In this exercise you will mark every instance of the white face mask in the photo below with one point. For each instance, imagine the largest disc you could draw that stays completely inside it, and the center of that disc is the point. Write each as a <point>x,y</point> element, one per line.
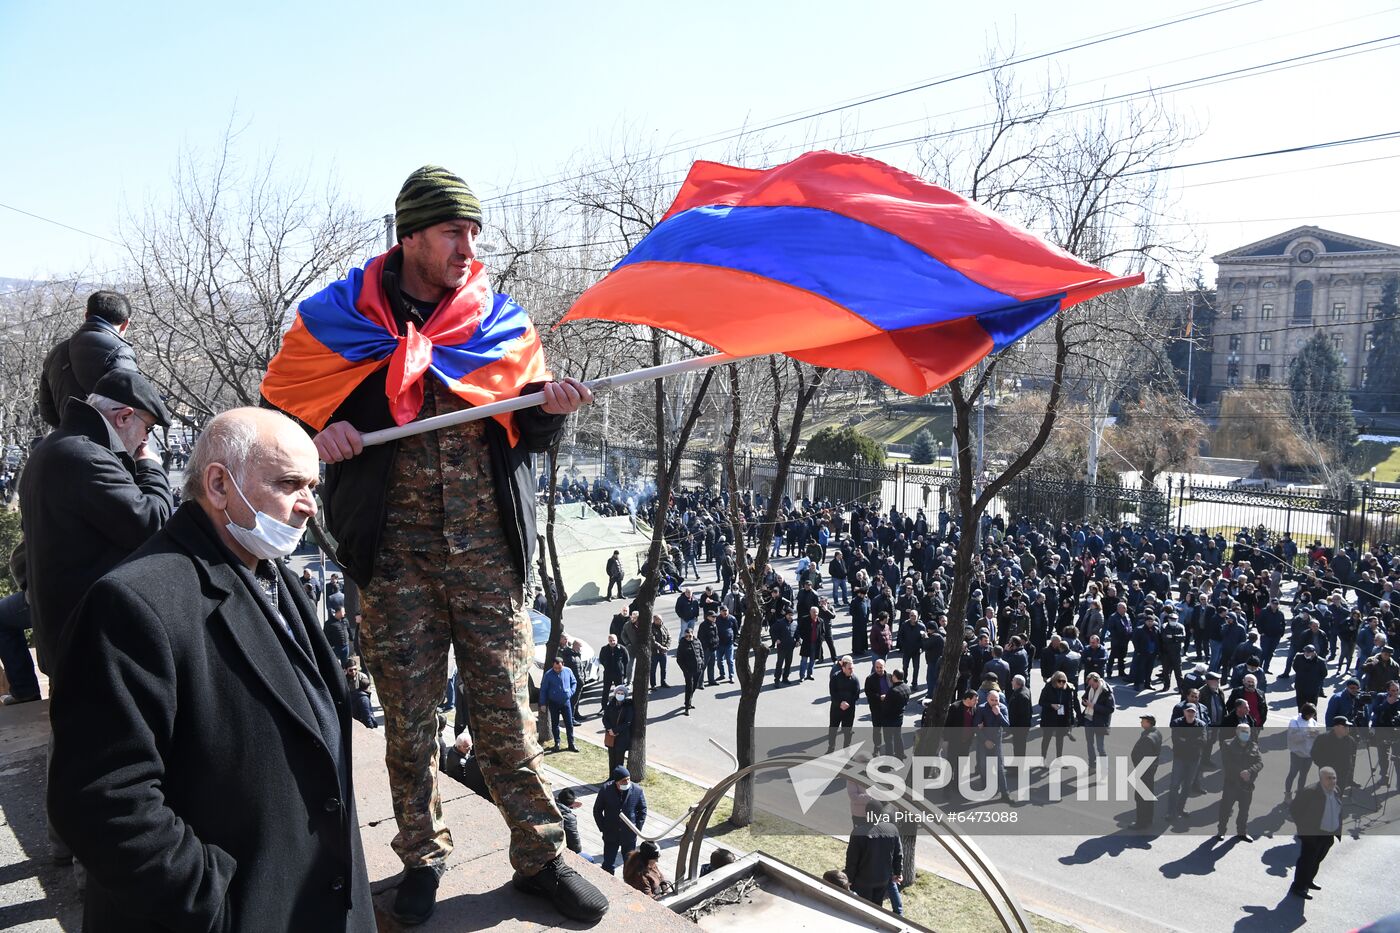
<point>624,786</point>
<point>1243,736</point>
<point>268,538</point>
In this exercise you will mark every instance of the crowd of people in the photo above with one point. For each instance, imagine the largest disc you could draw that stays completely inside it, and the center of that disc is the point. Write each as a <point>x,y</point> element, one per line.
<point>1065,623</point>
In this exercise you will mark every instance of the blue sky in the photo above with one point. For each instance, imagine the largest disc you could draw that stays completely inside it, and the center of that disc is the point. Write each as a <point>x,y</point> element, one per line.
<point>99,99</point>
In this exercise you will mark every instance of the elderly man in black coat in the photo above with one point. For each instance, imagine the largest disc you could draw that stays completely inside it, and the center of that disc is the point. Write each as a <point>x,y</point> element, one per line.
<point>220,795</point>
<point>92,493</point>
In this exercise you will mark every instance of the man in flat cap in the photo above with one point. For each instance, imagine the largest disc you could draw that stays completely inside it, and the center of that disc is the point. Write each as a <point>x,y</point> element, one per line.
<point>97,347</point>
<point>438,528</point>
<point>91,493</point>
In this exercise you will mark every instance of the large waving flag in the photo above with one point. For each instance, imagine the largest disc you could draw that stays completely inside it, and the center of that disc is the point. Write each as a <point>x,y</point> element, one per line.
<point>480,345</point>
<point>842,261</point>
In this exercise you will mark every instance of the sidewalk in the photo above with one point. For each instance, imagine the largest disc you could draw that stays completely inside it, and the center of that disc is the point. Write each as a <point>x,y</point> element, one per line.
<point>476,891</point>
<point>35,895</point>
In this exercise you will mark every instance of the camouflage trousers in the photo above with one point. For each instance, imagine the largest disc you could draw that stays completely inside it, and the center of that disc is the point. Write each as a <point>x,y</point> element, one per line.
<point>444,577</point>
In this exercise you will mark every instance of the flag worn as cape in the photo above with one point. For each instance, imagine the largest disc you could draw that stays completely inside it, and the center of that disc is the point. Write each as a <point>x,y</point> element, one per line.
<point>480,345</point>
<point>842,261</point>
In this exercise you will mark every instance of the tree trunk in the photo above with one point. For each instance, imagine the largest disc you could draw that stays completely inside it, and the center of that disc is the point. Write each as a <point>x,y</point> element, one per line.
<point>751,672</point>
<point>667,472</point>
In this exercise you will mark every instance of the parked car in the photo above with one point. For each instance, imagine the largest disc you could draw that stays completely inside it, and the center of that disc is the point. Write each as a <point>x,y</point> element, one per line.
<point>589,669</point>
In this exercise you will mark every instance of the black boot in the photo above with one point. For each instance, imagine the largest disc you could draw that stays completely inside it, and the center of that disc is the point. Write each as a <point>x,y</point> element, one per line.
<point>570,893</point>
<point>417,895</point>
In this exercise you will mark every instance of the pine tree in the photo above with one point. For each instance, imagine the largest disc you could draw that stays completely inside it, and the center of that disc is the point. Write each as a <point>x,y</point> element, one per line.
<point>923,448</point>
<point>1320,400</point>
<point>1382,389</point>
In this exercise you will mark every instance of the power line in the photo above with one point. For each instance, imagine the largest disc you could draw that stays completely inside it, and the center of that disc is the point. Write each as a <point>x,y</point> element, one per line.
<point>59,223</point>
<point>737,132</point>
<point>1311,58</point>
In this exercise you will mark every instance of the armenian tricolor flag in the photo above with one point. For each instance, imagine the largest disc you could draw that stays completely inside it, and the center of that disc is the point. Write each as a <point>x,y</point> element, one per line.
<point>480,345</point>
<point>842,261</point>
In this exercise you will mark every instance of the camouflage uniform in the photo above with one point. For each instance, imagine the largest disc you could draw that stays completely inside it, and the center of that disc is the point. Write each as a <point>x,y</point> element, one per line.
<point>444,576</point>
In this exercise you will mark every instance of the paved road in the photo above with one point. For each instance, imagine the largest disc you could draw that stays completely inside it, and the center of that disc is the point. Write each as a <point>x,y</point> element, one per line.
<point>1114,882</point>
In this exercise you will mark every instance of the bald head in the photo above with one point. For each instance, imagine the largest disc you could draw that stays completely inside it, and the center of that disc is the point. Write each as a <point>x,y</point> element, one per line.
<point>251,460</point>
<point>237,437</point>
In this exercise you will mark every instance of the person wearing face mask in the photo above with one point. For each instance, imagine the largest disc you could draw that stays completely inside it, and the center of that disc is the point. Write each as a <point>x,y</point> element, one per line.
<point>619,798</point>
<point>1240,764</point>
<point>618,714</point>
<point>221,796</point>
<point>91,493</point>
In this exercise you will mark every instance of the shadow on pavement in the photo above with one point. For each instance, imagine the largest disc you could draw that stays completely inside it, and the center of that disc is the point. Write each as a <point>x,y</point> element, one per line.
<point>1286,915</point>
<point>1200,860</point>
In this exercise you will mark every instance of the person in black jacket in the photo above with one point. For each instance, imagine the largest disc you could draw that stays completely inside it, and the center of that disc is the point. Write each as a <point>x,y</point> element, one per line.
<point>1317,813</point>
<point>875,856</point>
<point>1240,764</point>
<point>618,716</point>
<point>438,528</point>
<point>1148,748</point>
<point>844,690</point>
<point>337,631</point>
<point>614,660</point>
<point>91,493</point>
<point>616,799</point>
<point>74,366</point>
<point>690,658</point>
<point>221,794</point>
<point>894,704</point>
<point>568,802</point>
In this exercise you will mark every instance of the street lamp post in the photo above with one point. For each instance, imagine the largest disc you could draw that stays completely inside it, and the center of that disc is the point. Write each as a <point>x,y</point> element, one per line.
<point>1288,514</point>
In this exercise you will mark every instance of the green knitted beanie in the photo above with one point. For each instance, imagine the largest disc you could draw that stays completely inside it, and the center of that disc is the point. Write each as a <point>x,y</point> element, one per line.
<point>430,196</point>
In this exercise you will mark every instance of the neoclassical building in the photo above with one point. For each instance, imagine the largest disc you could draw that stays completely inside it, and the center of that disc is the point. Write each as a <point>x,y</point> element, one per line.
<point>1273,295</point>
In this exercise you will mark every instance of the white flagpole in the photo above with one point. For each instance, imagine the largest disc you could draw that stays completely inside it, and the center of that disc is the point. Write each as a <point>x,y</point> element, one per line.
<point>537,398</point>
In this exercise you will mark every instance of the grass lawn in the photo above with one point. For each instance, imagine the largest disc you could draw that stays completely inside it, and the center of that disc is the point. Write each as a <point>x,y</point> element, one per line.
<point>1384,457</point>
<point>932,901</point>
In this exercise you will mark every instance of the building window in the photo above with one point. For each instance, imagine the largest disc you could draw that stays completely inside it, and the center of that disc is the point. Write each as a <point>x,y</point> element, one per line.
<point>1236,312</point>
<point>1262,372</point>
<point>1302,303</point>
<point>1268,284</point>
<point>1232,373</point>
<point>1373,310</point>
<point>1266,312</point>
<point>1339,310</point>
<point>1236,341</point>
<point>1266,343</point>
<point>1337,343</point>
<point>1370,341</point>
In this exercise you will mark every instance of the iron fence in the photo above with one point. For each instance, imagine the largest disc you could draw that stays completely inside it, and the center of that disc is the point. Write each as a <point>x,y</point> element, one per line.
<point>1361,513</point>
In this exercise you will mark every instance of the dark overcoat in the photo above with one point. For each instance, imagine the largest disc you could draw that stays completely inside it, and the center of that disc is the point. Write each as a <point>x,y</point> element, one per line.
<point>190,775</point>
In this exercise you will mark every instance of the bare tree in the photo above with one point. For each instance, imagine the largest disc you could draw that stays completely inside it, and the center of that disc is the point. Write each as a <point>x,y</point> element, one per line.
<point>797,389</point>
<point>1092,186</point>
<point>219,266</point>
<point>32,319</point>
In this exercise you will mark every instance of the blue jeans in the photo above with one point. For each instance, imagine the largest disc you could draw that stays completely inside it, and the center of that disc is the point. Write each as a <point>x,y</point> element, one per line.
<point>725,654</point>
<point>1094,739</point>
<point>14,653</point>
<point>840,592</point>
<point>564,710</point>
<point>807,666</point>
<point>658,661</point>
<point>1215,649</point>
